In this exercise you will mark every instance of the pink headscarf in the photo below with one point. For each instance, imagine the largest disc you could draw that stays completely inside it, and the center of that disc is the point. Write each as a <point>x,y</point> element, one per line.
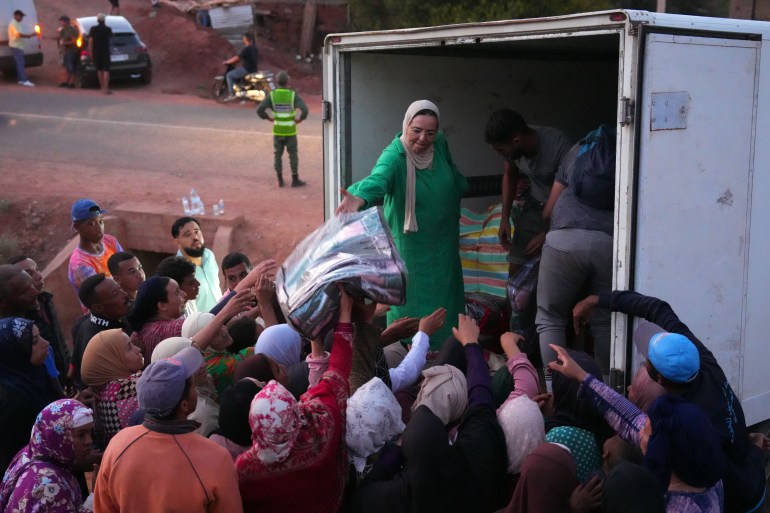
<point>643,390</point>
<point>275,422</point>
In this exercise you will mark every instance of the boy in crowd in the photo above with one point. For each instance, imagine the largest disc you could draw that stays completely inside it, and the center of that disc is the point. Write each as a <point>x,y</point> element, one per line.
<point>95,247</point>
<point>127,271</point>
<point>182,271</point>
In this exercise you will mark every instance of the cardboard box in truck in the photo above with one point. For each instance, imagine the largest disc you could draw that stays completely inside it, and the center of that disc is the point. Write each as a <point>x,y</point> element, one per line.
<point>690,99</point>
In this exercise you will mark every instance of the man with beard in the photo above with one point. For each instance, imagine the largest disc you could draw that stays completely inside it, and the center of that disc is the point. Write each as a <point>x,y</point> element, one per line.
<point>188,236</point>
<point>108,304</point>
<point>94,248</point>
<point>45,317</point>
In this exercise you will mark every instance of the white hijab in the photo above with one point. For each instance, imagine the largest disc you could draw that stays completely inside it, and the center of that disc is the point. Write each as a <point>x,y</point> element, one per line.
<point>414,162</point>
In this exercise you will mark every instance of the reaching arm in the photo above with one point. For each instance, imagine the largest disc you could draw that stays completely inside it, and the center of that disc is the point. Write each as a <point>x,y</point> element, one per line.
<point>240,303</point>
<point>524,375</point>
<point>510,177</point>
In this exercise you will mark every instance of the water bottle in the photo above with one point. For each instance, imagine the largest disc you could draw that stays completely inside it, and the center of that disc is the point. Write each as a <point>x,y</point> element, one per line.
<point>221,206</point>
<point>215,209</point>
<point>186,206</point>
<point>196,205</point>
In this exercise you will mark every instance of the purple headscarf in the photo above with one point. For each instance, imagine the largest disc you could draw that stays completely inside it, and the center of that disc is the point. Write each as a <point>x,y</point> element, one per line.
<point>40,472</point>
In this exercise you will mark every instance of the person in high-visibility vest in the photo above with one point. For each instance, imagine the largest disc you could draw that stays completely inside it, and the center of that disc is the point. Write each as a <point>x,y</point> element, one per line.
<point>284,103</point>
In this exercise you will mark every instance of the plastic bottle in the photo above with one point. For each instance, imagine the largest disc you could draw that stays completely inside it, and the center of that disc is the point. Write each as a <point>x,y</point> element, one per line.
<point>215,209</point>
<point>196,205</point>
<point>221,206</point>
<point>186,206</point>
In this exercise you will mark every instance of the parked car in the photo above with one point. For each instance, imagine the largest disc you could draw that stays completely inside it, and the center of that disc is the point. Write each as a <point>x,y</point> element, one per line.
<point>129,58</point>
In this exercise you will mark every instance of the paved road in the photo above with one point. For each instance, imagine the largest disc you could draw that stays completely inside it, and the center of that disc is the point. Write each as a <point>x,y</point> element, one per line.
<point>160,134</point>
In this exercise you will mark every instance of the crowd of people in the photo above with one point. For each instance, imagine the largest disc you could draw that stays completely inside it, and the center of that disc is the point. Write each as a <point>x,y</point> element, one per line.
<point>177,395</point>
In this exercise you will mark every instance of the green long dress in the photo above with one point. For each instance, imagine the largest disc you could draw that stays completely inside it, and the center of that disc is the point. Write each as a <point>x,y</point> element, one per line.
<point>431,254</point>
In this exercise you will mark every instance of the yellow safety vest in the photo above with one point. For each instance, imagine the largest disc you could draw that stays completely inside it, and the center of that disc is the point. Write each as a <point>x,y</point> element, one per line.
<point>283,112</point>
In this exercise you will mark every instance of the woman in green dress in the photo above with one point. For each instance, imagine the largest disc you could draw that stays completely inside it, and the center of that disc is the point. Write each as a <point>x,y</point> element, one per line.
<point>420,188</point>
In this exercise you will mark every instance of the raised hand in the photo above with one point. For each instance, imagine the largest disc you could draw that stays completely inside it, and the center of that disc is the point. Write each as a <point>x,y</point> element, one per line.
<point>566,365</point>
<point>467,330</point>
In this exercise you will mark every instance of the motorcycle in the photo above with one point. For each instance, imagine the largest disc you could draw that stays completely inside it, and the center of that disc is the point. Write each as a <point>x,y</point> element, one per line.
<point>253,87</point>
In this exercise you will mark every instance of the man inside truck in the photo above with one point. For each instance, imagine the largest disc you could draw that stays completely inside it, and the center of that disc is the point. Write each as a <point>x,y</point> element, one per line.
<point>704,385</point>
<point>536,152</point>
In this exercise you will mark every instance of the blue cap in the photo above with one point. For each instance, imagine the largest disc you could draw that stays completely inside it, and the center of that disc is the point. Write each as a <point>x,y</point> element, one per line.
<point>161,385</point>
<point>84,209</point>
<point>673,355</point>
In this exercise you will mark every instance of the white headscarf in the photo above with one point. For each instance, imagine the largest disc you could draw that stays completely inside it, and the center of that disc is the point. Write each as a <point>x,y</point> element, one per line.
<point>414,162</point>
<point>169,347</point>
<point>195,323</point>
<point>373,417</point>
<point>282,343</point>
<point>523,427</point>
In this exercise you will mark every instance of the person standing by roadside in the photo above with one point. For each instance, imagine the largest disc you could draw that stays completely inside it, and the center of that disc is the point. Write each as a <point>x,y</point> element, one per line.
<point>100,35</point>
<point>15,37</point>
<point>68,36</point>
<point>284,103</point>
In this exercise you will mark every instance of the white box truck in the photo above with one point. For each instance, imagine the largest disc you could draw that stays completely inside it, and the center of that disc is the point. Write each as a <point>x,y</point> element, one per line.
<point>690,97</point>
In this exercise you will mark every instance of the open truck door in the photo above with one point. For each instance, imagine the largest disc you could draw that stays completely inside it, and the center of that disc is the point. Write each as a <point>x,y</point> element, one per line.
<point>696,131</point>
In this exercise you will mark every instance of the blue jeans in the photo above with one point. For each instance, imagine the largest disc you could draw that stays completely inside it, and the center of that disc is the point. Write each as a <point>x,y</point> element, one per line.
<point>232,76</point>
<point>18,55</point>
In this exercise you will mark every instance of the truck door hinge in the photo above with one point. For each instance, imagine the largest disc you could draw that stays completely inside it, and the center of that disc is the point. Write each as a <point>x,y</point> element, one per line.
<point>627,111</point>
<point>326,111</point>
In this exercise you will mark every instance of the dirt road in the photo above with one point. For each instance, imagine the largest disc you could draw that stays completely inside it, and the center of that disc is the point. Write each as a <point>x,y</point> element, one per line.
<point>59,145</point>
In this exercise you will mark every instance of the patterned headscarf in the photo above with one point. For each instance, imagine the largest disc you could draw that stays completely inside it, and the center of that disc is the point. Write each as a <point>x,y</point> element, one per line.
<point>444,391</point>
<point>16,371</point>
<point>104,359</point>
<point>373,418</point>
<point>51,448</point>
<point>275,422</point>
<point>414,162</point>
<point>282,343</point>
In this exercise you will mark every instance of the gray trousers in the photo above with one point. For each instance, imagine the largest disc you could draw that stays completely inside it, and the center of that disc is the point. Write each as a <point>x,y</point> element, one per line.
<point>573,260</point>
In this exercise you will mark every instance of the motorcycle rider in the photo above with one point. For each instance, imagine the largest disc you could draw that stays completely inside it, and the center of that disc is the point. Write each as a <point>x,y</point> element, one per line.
<point>249,58</point>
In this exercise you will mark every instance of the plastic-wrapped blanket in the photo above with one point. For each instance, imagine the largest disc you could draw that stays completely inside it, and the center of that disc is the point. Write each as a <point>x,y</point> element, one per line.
<point>355,249</point>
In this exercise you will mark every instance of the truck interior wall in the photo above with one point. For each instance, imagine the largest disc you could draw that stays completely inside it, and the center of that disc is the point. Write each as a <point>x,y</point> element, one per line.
<point>573,95</point>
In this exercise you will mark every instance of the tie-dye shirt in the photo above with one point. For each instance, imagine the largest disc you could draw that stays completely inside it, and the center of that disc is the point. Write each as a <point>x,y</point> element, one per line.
<point>83,264</point>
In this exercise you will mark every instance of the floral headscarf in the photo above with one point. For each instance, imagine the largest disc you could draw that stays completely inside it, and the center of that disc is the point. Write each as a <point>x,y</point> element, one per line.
<point>275,422</point>
<point>373,418</point>
<point>40,471</point>
<point>16,371</point>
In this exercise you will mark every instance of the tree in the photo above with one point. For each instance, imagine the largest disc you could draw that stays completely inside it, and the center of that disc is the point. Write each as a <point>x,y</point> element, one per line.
<point>394,14</point>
